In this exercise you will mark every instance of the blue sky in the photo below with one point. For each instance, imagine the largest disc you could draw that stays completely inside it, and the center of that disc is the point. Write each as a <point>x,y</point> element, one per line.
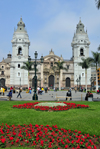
<point>49,24</point>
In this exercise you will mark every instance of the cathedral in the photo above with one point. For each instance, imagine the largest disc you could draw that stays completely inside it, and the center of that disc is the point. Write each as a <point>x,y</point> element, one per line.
<point>11,73</point>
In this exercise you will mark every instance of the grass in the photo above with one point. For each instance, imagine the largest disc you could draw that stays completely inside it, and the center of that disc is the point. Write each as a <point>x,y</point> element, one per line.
<point>84,120</point>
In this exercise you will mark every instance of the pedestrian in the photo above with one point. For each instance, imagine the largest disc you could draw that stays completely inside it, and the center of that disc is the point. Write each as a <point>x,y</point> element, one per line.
<point>69,95</point>
<point>19,93</point>
<point>87,95</point>
<point>30,90</point>
<point>11,88</point>
<point>3,91</point>
<point>10,95</point>
<point>14,89</point>
<point>38,89</point>
<point>75,89</point>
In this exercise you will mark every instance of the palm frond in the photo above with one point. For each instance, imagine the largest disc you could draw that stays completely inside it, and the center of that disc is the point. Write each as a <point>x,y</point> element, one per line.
<point>98,3</point>
<point>96,57</point>
<point>85,63</point>
<point>60,66</point>
<point>27,66</point>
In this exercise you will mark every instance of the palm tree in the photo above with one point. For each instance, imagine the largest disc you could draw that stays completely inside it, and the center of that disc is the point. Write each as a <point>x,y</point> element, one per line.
<point>98,3</point>
<point>60,67</point>
<point>96,61</point>
<point>27,66</point>
<point>85,64</point>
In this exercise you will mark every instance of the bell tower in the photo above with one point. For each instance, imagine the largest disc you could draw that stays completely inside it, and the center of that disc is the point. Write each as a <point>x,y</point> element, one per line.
<point>20,53</point>
<point>80,49</point>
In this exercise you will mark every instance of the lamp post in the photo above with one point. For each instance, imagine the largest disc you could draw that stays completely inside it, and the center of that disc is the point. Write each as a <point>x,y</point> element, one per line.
<point>35,96</point>
<point>91,82</point>
<point>20,81</point>
<point>77,80</point>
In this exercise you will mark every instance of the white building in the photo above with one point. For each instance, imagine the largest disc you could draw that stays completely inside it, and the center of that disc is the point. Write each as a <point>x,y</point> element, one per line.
<point>80,49</point>
<point>45,75</point>
<point>20,53</point>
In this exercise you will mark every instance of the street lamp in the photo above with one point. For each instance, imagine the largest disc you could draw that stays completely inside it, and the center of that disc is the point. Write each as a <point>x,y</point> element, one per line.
<point>79,80</point>
<point>77,83</point>
<point>91,80</point>
<point>20,81</point>
<point>35,96</point>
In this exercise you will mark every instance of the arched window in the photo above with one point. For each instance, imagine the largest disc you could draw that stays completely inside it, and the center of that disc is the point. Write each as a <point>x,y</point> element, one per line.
<point>18,65</point>
<point>2,72</point>
<point>67,82</point>
<point>51,64</point>
<point>19,50</point>
<point>81,52</point>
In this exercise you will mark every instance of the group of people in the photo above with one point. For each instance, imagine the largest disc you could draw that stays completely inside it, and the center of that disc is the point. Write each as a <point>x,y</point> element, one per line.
<point>80,89</point>
<point>40,90</point>
<point>89,94</point>
<point>12,90</point>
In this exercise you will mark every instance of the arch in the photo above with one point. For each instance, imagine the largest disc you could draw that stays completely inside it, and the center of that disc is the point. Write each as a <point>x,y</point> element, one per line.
<point>19,51</point>
<point>67,82</point>
<point>51,81</point>
<point>2,82</point>
<point>81,52</point>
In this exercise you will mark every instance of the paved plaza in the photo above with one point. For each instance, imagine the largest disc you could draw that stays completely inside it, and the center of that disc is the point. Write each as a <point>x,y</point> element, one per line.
<point>50,96</point>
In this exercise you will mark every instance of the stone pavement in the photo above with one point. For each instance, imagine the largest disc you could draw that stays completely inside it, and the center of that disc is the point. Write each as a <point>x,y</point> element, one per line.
<point>50,96</point>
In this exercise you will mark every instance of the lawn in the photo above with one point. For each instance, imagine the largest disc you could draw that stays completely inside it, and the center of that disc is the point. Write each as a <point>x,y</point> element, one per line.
<point>84,120</point>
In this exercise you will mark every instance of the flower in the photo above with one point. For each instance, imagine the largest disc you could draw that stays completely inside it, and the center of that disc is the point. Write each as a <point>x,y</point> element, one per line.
<point>3,140</point>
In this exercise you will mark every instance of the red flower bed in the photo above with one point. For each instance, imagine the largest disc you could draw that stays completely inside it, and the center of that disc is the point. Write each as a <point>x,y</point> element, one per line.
<point>45,137</point>
<point>47,108</point>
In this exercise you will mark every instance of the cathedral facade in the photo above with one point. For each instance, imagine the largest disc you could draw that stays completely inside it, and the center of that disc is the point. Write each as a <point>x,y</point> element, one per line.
<point>13,75</point>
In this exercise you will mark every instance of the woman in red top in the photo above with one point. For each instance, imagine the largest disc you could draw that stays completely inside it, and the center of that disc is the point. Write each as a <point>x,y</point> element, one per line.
<point>11,89</point>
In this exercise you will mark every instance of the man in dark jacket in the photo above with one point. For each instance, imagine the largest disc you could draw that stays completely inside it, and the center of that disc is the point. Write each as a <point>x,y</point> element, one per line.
<point>69,94</point>
<point>10,95</point>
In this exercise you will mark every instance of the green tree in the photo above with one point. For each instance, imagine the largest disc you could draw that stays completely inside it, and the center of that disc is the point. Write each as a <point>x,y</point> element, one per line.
<point>96,61</point>
<point>27,66</point>
<point>85,64</point>
<point>98,3</point>
<point>59,67</point>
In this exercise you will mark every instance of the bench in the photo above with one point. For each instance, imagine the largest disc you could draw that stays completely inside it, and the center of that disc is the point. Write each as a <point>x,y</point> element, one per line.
<point>5,97</point>
<point>90,98</point>
<point>60,97</point>
<point>96,99</point>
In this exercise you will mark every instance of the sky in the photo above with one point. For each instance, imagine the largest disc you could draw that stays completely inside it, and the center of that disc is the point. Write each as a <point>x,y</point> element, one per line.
<point>50,24</point>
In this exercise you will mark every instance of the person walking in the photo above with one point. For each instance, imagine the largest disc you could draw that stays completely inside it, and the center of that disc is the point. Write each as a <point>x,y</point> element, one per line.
<point>19,93</point>
<point>75,89</point>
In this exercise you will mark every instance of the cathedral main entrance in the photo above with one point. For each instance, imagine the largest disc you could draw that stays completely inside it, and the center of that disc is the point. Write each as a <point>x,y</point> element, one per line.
<point>51,81</point>
<point>67,82</point>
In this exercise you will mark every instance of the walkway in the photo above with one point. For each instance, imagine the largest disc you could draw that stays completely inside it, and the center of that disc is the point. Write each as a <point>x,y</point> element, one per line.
<point>50,96</point>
